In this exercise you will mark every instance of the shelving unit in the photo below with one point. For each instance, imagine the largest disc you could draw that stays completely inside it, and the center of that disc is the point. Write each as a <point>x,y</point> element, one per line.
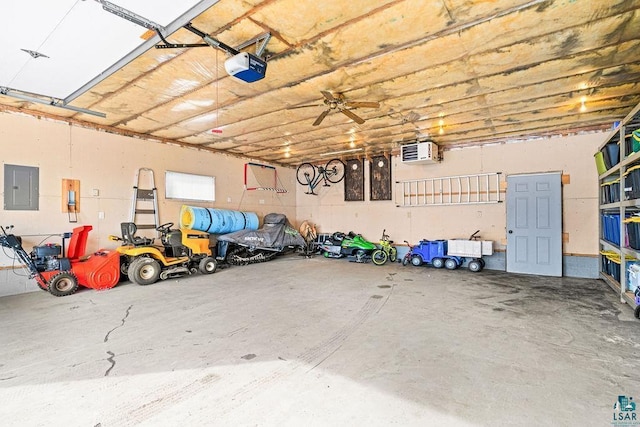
<point>626,205</point>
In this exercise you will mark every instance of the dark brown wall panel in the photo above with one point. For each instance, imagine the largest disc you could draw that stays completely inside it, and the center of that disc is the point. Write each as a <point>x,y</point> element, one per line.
<point>380,178</point>
<point>354,180</point>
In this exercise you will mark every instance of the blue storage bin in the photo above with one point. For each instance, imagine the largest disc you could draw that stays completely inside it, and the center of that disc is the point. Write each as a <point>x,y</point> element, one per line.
<point>615,223</point>
<point>608,228</point>
<point>611,228</point>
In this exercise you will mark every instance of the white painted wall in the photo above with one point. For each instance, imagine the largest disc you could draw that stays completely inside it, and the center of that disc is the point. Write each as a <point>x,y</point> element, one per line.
<point>572,155</point>
<point>108,163</point>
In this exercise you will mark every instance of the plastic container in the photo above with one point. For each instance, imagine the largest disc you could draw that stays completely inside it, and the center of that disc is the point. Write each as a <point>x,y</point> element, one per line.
<point>633,231</point>
<point>600,166</point>
<point>605,192</point>
<point>605,227</point>
<point>611,153</point>
<point>632,182</point>
<point>635,140</point>
<point>614,268</point>
<point>611,228</point>
<point>614,191</point>
<point>633,277</point>
<point>217,221</point>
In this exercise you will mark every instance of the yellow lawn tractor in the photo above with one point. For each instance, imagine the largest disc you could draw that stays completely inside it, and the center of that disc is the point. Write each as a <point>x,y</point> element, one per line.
<point>182,252</point>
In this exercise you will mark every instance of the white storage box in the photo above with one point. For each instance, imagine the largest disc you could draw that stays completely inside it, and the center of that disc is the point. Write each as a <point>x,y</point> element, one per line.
<point>469,248</point>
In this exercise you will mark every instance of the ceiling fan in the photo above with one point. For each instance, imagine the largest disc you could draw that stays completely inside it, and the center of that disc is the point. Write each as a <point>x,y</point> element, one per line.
<point>337,102</point>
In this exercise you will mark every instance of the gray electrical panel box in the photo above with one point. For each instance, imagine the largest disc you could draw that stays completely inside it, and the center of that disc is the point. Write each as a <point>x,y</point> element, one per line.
<point>21,188</point>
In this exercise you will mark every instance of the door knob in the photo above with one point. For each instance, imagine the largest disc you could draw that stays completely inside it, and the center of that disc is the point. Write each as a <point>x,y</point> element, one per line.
<point>510,231</point>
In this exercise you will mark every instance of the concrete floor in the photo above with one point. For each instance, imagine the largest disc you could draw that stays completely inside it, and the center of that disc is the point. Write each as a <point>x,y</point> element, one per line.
<point>321,342</point>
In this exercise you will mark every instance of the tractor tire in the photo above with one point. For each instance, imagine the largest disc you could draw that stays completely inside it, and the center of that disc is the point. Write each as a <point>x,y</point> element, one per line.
<point>393,254</point>
<point>437,262</point>
<point>416,260</point>
<point>474,266</point>
<point>124,269</point>
<point>144,271</point>
<point>379,257</point>
<point>208,265</point>
<point>636,312</point>
<point>450,264</point>
<point>63,284</point>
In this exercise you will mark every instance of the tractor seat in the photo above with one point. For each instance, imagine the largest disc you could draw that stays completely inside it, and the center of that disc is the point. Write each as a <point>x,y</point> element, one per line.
<point>129,235</point>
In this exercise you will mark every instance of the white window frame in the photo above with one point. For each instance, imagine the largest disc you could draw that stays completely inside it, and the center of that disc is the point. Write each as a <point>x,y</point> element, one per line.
<point>188,186</point>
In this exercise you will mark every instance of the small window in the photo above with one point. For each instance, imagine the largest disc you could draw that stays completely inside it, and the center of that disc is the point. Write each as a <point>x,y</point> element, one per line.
<point>186,186</point>
<point>21,188</point>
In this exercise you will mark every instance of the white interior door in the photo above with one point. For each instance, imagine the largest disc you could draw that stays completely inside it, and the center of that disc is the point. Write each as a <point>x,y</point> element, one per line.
<point>534,224</point>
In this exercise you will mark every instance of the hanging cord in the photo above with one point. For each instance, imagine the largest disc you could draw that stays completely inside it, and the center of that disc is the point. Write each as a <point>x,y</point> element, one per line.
<point>43,42</point>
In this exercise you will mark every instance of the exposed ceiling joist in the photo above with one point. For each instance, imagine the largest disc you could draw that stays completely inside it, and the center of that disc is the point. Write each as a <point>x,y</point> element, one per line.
<point>466,72</point>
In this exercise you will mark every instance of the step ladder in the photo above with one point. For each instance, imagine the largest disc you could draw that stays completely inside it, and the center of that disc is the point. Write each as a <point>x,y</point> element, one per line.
<point>449,190</point>
<point>144,206</point>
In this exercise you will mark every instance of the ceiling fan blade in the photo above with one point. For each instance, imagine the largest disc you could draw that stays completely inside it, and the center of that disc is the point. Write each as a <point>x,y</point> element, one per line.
<point>364,104</point>
<point>353,116</point>
<point>321,117</point>
<point>304,106</point>
<point>328,95</point>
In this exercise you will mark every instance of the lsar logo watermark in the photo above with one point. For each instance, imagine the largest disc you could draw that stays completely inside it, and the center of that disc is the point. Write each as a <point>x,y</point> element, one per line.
<point>624,413</point>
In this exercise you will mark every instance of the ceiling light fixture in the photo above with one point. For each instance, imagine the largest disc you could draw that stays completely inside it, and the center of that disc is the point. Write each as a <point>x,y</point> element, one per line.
<point>583,107</point>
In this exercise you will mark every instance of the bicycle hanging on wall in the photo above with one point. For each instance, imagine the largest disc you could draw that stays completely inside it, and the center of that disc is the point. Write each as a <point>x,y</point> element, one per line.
<point>311,176</point>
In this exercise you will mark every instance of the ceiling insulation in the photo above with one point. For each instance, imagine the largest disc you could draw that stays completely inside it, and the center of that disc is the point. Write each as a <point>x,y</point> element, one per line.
<point>459,72</point>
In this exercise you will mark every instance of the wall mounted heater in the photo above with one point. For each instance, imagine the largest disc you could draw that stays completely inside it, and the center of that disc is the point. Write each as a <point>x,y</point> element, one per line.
<point>419,152</point>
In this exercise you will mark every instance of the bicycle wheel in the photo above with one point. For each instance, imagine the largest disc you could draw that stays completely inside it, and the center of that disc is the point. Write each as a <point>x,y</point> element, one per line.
<point>334,170</point>
<point>379,257</point>
<point>305,173</point>
<point>393,254</point>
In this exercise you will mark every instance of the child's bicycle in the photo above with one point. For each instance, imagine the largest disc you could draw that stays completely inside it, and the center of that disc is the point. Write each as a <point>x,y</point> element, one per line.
<point>386,251</point>
<point>406,260</point>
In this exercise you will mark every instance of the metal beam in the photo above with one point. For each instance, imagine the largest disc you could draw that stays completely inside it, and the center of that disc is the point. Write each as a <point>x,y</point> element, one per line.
<point>148,44</point>
<point>53,102</point>
<point>130,16</point>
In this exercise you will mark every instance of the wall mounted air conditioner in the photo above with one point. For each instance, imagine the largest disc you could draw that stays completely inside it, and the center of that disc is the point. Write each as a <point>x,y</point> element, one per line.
<point>419,152</point>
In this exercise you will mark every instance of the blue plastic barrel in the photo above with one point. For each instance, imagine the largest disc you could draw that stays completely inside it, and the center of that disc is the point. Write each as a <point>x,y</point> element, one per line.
<point>217,221</point>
